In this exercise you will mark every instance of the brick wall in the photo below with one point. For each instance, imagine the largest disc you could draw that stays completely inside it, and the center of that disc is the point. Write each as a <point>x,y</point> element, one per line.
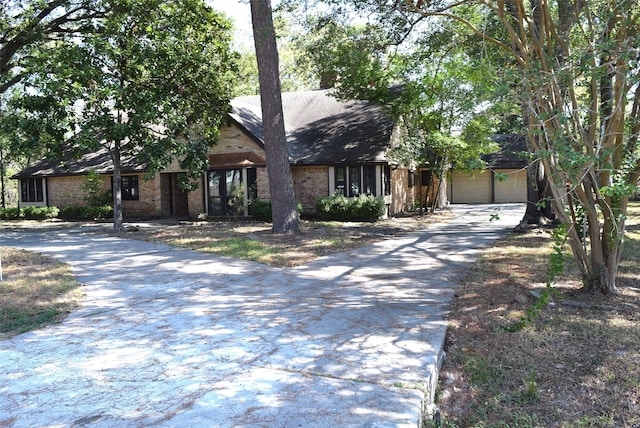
<point>310,183</point>
<point>68,192</point>
<point>196,201</point>
<point>149,202</point>
<point>233,140</point>
<point>262,181</point>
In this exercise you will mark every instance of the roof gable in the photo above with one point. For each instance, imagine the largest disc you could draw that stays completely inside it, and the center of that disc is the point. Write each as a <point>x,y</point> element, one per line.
<point>321,129</point>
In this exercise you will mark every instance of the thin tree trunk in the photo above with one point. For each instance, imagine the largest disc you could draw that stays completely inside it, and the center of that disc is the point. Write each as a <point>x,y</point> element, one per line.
<point>117,188</point>
<point>283,201</point>
<point>2,172</point>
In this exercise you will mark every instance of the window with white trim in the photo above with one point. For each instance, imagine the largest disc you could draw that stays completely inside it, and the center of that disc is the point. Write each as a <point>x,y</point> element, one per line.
<point>353,181</point>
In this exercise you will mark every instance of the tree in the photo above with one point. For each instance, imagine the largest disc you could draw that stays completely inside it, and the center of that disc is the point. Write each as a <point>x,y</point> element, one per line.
<point>283,202</point>
<point>576,70</point>
<point>295,72</point>
<point>152,81</point>
<point>30,24</point>
<point>27,29</point>
<point>437,101</point>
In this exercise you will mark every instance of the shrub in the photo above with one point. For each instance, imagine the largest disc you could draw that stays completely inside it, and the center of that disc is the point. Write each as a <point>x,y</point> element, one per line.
<point>40,213</point>
<point>96,194</point>
<point>9,213</point>
<point>86,213</point>
<point>261,210</point>
<point>340,208</point>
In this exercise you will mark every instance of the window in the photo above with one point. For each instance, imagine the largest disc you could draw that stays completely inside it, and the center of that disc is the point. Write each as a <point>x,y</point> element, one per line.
<point>369,180</point>
<point>411,179</point>
<point>387,180</point>
<point>226,194</point>
<point>130,190</point>
<point>355,180</point>
<point>341,175</point>
<point>32,190</point>
<point>355,183</point>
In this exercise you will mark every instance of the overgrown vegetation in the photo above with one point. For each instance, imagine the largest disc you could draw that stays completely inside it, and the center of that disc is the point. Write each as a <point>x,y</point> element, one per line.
<point>35,291</point>
<point>338,207</point>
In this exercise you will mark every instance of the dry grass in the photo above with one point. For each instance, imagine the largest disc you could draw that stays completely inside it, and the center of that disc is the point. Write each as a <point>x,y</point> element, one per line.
<point>36,291</point>
<point>578,365</point>
<point>254,241</point>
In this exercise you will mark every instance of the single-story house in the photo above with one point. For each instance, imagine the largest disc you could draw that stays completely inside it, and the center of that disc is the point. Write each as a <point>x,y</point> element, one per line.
<point>334,146</point>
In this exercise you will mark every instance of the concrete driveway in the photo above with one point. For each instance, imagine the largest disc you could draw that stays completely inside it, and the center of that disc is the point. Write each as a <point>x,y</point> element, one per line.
<point>174,338</point>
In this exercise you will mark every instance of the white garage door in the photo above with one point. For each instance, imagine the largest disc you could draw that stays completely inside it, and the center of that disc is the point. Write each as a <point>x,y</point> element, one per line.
<point>470,189</point>
<point>514,188</point>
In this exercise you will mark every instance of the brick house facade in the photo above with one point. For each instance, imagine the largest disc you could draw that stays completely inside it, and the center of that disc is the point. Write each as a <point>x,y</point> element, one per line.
<point>334,146</point>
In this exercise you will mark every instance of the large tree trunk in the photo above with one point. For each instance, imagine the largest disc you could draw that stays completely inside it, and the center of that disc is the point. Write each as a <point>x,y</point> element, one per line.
<point>539,209</point>
<point>283,201</point>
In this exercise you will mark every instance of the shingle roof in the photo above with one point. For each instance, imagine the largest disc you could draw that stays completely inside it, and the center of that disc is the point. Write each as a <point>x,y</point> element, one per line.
<point>71,164</point>
<point>321,129</point>
<point>513,148</point>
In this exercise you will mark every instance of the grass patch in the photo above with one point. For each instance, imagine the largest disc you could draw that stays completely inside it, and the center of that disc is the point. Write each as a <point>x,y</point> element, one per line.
<point>577,365</point>
<point>36,291</point>
<point>253,240</point>
<point>239,248</point>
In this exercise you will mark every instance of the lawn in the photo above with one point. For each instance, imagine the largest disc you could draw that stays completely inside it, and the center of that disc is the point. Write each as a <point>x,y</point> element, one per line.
<point>35,291</point>
<point>577,365</point>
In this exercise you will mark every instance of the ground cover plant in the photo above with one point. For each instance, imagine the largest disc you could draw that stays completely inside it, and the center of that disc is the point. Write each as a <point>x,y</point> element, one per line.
<point>35,291</point>
<point>576,365</point>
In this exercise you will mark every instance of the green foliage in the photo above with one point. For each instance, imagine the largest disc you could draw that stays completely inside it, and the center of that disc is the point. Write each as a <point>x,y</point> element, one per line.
<point>28,213</point>
<point>150,81</point>
<point>261,210</point>
<point>40,213</point>
<point>337,207</point>
<point>86,213</point>
<point>97,195</point>
<point>12,213</point>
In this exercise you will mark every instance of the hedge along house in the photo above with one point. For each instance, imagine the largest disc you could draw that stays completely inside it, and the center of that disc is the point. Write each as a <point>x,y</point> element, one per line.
<point>334,146</point>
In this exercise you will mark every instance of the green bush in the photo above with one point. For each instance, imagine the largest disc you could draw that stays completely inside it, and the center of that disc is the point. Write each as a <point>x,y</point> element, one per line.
<point>9,213</point>
<point>40,213</point>
<point>337,207</point>
<point>261,210</point>
<point>86,213</point>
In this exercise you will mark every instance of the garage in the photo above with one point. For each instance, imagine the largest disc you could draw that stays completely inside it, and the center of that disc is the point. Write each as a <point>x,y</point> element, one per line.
<point>504,180</point>
<point>470,189</point>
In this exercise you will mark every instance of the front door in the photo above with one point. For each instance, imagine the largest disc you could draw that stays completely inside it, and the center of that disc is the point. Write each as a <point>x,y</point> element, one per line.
<point>174,201</point>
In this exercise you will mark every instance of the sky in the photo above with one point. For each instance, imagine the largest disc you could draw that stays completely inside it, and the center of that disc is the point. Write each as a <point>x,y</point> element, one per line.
<point>240,12</point>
